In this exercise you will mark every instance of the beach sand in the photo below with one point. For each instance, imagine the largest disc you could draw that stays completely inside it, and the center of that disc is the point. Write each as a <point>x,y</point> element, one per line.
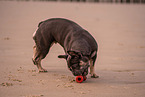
<point>119,30</point>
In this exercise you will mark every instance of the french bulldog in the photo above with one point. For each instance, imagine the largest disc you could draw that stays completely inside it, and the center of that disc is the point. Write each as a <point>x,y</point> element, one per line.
<point>79,45</point>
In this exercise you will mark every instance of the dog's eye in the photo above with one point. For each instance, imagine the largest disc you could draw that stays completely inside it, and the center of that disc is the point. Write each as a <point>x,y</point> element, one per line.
<point>74,60</point>
<point>85,59</point>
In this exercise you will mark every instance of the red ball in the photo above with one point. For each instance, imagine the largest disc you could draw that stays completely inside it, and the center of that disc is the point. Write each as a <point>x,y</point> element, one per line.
<point>84,77</point>
<point>79,79</point>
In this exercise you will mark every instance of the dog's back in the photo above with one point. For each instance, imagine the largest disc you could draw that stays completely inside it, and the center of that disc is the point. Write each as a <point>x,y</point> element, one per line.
<point>64,31</point>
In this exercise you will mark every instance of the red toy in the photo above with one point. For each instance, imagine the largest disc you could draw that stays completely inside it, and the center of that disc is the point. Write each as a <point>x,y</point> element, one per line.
<point>80,78</point>
<point>84,78</point>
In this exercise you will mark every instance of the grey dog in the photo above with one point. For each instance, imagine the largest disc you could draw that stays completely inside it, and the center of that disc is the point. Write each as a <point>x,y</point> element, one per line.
<point>79,45</point>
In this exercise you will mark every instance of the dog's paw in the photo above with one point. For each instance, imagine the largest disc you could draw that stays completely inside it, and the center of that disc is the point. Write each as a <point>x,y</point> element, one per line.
<point>43,70</point>
<point>94,76</point>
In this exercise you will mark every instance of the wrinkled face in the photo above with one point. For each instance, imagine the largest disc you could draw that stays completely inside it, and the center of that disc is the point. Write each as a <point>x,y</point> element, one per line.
<point>78,64</point>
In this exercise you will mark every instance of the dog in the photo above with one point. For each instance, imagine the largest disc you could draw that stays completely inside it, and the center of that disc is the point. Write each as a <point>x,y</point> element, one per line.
<point>79,45</point>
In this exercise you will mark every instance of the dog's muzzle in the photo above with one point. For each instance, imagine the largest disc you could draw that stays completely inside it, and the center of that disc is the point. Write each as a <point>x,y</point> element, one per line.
<point>82,71</point>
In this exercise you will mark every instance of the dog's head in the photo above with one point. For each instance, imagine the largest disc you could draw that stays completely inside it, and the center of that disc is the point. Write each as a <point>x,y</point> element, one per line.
<point>77,62</point>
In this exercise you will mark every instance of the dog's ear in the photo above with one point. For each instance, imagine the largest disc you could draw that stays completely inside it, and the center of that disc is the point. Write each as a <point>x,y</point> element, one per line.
<point>63,56</point>
<point>93,54</point>
<point>74,53</point>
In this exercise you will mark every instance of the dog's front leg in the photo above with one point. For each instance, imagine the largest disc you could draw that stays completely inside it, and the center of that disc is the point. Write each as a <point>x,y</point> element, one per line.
<point>92,70</point>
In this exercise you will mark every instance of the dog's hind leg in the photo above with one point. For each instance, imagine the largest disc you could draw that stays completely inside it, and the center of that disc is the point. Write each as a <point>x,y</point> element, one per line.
<point>43,41</point>
<point>37,59</point>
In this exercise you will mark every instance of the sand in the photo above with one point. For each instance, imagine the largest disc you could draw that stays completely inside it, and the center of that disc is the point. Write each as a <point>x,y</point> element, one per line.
<point>119,30</point>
